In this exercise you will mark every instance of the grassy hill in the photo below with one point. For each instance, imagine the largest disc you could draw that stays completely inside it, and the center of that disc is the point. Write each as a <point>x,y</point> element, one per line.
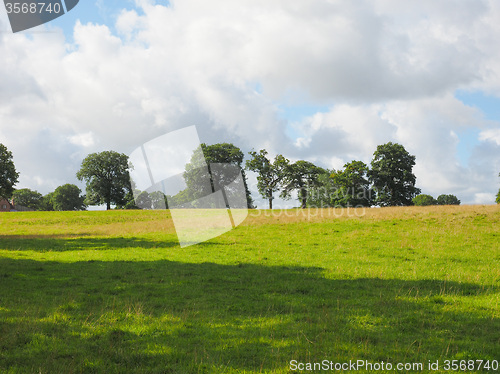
<point>112,292</point>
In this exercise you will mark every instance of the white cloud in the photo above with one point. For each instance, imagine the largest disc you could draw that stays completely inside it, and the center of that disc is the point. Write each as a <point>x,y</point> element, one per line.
<point>492,135</point>
<point>387,70</point>
<point>83,140</point>
<point>484,198</point>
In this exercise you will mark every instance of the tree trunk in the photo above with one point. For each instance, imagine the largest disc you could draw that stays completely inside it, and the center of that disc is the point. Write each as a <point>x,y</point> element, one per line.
<point>270,203</point>
<point>108,205</point>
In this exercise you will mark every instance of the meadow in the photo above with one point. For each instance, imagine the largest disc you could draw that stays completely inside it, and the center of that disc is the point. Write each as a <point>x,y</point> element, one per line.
<point>113,292</point>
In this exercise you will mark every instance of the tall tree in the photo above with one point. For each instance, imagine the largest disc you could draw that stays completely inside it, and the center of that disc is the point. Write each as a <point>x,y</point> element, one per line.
<point>27,198</point>
<point>68,197</point>
<point>8,174</point>
<point>270,173</point>
<point>325,194</point>
<point>222,154</point>
<point>107,177</point>
<point>301,176</point>
<point>158,200</point>
<point>47,203</point>
<point>353,187</point>
<point>392,176</point>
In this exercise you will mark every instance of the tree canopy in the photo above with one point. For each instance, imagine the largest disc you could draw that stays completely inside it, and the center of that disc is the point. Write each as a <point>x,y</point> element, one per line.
<point>8,174</point>
<point>448,200</point>
<point>301,176</point>
<point>353,187</point>
<point>67,197</point>
<point>47,204</point>
<point>424,200</point>
<point>27,198</point>
<point>323,195</point>
<point>213,166</point>
<point>391,175</point>
<point>270,173</point>
<point>107,178</point>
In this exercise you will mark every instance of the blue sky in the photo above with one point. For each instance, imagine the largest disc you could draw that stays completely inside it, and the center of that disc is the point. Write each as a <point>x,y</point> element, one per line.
<point>99,12</point>
<point>306,79</point>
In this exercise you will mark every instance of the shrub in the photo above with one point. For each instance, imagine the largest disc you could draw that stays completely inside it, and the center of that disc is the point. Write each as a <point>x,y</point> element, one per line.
<point>448,200</point>
<point>424,200</point>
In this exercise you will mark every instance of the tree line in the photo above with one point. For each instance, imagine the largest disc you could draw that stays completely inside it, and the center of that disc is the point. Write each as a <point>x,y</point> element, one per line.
<point>388,181</point>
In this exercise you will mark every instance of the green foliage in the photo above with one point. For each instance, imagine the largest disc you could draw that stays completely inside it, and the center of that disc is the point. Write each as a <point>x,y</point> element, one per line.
<point>67,198</point>
<point>143,200</point>
<point>153,200</point>
<point>424,200</point>
<point>391,175</point>
<point>301,176</point>
<point>107,178</point>
<point>27,198</point>
<point>271,174</point>
<point>158,200</point>
<point>47,203</point>
<point>8,174</point>
<point>448,200</point>
<point>227,153</point>
<point>325,194</point>
<point>203,177</point>
<point>353,188</point>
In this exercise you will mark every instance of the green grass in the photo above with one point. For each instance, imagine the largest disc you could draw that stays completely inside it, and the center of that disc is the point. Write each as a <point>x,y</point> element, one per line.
<point>112,292</point>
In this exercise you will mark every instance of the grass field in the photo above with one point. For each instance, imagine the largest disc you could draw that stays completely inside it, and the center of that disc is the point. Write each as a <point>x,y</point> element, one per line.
<point>112,292</point>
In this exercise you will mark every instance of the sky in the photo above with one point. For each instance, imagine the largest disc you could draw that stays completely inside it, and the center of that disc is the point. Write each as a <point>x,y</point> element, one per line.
<point>318,80</point>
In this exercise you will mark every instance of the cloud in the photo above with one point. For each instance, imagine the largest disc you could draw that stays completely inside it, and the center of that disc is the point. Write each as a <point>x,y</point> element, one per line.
<point>427,128</point>
<point>387,71</point>
<point>492,135</point>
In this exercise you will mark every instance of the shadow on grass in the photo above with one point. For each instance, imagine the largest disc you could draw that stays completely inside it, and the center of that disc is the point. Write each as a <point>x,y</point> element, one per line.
<point>171,317</point>
<point>45,243</point>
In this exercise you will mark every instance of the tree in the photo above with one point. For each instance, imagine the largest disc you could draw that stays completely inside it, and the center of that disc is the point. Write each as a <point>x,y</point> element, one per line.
<point>448,200</point>
<point>216,167</point>
<point>158,200</point>
<point>222,154</point>
<point>107,177</point>
<point>325,194</point>
<point>8,174</point>
<point>498,195</point>
<point>270,174</point>
<point>392,176</point>
<point>47,204</point>
<point>143,200</point>
<point>129,200</point>
<point>27,198</point>
<point>301,176</point>
<point>424,200</point>
<point>353,187</point>
<point>67,198</point>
